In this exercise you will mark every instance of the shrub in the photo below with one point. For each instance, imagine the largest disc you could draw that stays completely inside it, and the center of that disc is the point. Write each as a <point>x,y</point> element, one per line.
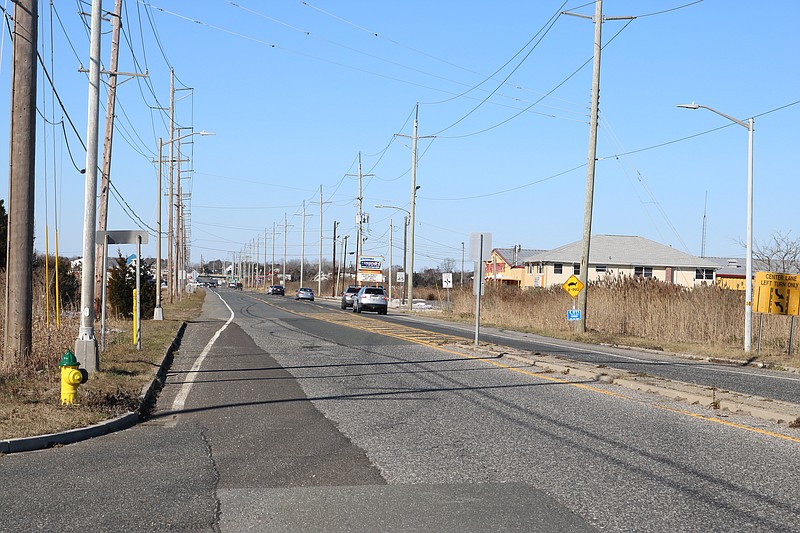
<point>121,284</point>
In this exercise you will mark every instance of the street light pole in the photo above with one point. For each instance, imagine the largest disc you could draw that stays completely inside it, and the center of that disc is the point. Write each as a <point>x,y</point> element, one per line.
<point>158,312</point>
<point>748,297</point>
<point>86,344</point>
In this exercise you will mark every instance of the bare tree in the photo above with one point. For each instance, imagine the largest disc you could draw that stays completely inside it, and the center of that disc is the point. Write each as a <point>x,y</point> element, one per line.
<point>447,265</point>
<point>780,253</point>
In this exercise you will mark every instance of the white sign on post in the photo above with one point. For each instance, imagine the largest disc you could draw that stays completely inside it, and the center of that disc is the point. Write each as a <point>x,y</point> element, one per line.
<point>447,280</point>
<point>401,277</point>
<point>480,250</point>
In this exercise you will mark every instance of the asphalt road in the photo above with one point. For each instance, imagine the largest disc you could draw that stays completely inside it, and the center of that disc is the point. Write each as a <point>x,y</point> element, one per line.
<point>774,384</point>
<point>295,416</point>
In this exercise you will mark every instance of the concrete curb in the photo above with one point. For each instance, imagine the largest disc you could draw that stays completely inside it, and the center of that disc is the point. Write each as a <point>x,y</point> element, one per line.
<point>728,401</point>
<point>147,400</point>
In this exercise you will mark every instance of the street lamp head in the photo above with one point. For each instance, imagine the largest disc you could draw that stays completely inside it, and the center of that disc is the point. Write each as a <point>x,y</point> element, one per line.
<point>204,133</point>
<point>689,106</point>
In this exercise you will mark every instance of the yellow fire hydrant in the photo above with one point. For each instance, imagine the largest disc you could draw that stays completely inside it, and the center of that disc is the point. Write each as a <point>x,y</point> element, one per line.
<point>71,377</point>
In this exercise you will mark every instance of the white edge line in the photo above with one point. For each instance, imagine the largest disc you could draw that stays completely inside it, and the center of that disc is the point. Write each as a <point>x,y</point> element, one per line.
<point>180,399</point>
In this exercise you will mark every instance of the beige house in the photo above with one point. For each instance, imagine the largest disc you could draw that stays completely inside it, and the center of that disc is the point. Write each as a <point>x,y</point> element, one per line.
<point>618,255</point>
<point>506,267</point>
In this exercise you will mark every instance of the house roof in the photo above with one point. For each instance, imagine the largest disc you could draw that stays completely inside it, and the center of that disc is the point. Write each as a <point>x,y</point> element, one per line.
<point>508,254</point>
<point>735,267</point>
<point>623,250</point>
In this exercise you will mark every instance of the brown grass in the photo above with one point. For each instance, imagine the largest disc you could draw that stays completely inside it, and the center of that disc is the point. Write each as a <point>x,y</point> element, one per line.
<point>639,312</point>
<point>31,392</point>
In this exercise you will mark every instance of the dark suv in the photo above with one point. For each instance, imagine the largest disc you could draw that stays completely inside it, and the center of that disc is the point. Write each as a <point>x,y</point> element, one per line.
<point>276,290</point>
<point>371,299</point>
<point>348,295</point>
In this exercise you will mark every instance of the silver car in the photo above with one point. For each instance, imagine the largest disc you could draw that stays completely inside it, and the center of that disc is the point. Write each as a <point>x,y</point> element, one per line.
<point>371,299</point>
<point>304,293</point>
<point>349,295</point>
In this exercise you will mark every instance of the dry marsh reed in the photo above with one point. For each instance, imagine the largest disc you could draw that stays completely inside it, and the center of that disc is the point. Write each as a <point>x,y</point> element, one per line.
<point>638,311</point>
<point>31,391</point>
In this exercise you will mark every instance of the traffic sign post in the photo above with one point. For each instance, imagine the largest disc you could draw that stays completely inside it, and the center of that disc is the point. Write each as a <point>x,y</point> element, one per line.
<point>573,286</point>
<point>777,294</point>
<point>447,283</point>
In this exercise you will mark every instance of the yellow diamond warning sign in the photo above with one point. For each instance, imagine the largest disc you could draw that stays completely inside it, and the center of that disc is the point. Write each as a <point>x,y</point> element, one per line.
<point>573,286</point>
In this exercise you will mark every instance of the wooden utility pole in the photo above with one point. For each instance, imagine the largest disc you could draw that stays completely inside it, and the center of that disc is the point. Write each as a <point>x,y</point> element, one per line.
<point>333,268</point>
<point>583,275</point>
<point>105,173</point>
<point>19,282</point>
<point>171,202</point>
<point>412,209</point>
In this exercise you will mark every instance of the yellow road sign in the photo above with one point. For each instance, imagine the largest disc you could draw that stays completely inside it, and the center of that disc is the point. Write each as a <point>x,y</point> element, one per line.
<point>777,294</point>
<point>573,286</point>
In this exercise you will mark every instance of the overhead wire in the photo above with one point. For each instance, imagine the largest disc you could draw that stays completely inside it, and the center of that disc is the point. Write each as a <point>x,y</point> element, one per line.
<point>551,91</point>
<point>543,31</point>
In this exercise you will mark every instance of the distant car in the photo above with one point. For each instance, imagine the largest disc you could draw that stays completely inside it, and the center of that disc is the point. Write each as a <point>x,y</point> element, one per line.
<point>371,299</point>
<point>231,284</point>
<point>277,290</point>
<point>304,293</point>
<point>348,295</point>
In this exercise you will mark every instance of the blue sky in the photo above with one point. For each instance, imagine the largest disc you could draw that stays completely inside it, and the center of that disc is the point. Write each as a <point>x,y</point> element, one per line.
<point>294,90</point>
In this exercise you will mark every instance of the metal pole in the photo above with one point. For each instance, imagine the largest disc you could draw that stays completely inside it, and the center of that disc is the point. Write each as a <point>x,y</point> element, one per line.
<point>303,243</point>
<point>334,286</point>
<point>391,229</point>
<point>319,275</point>
<point>272,271</point>
<point>158,312</point>
<point>748,309</point>
<point>138,292</point>
<point>462,264</point>
<point>265,260</point>
<point>405,256</point>
<point>748,304</point>
<point>479,281</point>
<point>285,222</point>
<point>104,271</point>
<point>86,344</point>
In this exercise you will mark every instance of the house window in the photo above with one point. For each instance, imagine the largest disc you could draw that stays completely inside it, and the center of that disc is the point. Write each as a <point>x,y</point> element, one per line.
<point>540,269</point>
<point>600,269</point>
<point>530,269</point>
<point>643,272</point>
<point>702,274</point>
<point>576,269</point>
<point>557,267</point>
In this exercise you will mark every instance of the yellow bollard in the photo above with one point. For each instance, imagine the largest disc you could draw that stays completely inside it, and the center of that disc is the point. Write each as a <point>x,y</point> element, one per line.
<point>135,325</point>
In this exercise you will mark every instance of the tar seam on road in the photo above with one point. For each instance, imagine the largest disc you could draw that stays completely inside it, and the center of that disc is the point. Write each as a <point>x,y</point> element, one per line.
<point>180,399</point>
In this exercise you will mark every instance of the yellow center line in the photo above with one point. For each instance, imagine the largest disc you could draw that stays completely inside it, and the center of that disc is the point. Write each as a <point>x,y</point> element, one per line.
<point>418,336</point>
